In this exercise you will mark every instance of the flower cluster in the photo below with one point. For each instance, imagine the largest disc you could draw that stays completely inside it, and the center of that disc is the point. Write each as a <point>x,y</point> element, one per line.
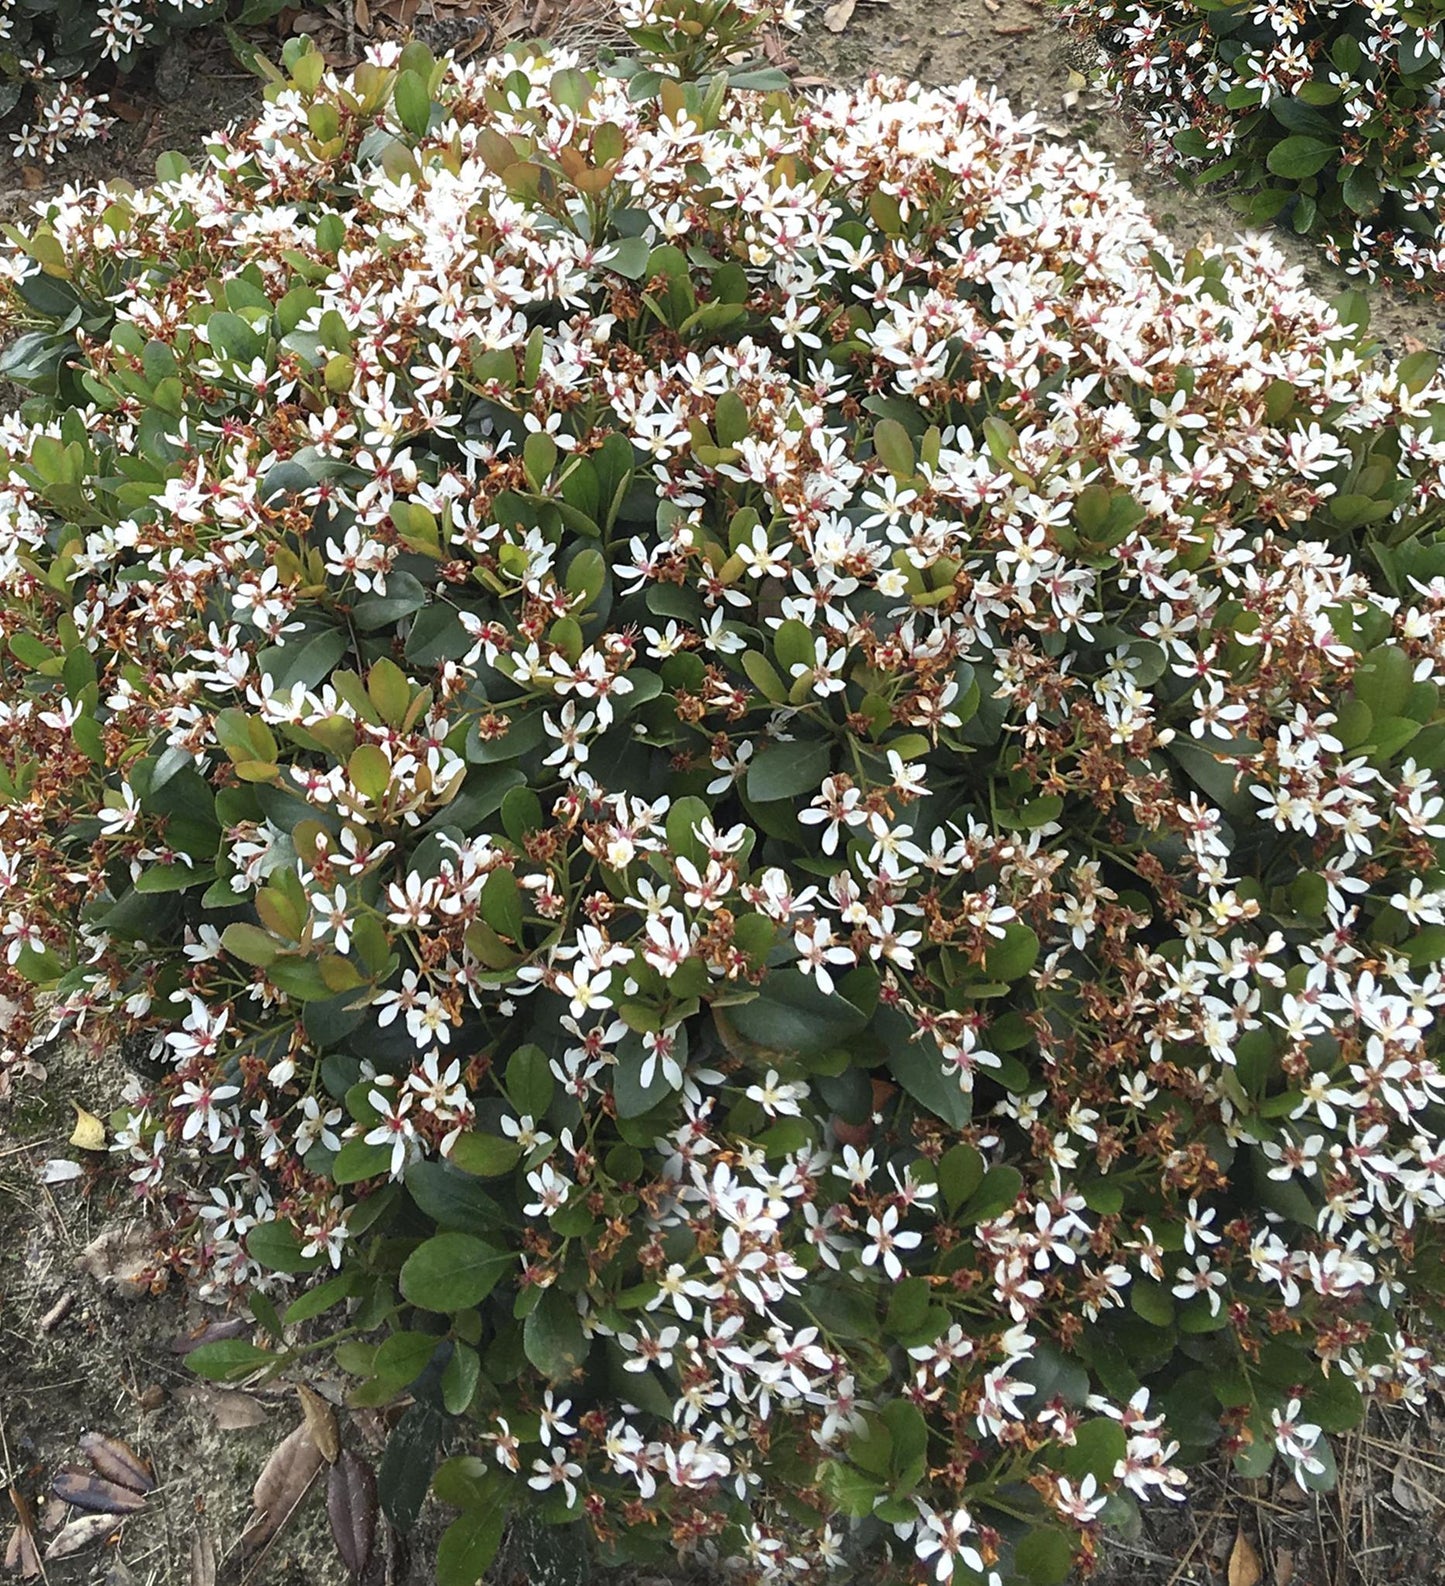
<point>49,50</point>
<point>1328,115</point>
<point>764,777</point>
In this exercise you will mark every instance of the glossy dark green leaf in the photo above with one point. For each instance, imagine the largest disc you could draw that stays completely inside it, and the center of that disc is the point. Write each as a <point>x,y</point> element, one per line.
<point>452,1271</point>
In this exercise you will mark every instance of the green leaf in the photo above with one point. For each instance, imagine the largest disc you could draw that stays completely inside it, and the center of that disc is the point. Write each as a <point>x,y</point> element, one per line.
<point>356,1160</point>
<point>452,1272</point>
<point>894,447</point>
<point>918,1067</point>
<point>790,1014</point>
<point>277,1246</point>
<point>997,1193</point>
<point>552,1336</point>
<point>1014,956</point>
<point>731,421</point>
<point>1045,1556</point>
<point>785,770</point>
<point>453,1199</point>
<point>407,1465</point>
<point>402,1358</point>
<point>229,1359</point>
<point>529,1081</point>
<point>764,677</point>
<point>960,1172</point>
<point>460,1377</point>
<point>1097,1447</point>
<point>250,944</point>
<point>317,1301</point>
<point>413,103</point>
<point>1152,1301</point>
<point>1299,156</point>
<point>501,902</point>
<point>470,1544</point>
<point>628,257</point>
<point>485,1155</point>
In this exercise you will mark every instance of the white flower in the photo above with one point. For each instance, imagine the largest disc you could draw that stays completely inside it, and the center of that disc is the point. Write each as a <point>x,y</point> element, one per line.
<point>885,1240</point>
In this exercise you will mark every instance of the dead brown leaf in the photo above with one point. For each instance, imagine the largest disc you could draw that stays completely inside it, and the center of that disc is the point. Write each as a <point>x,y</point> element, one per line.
<point>87,1531</point>
<point>120,1259</point>
<point>211,1333</point>
<point>231,1410</point>
<point>1406,1487</point>
<point>839,15</point>
<point>203,1557</point>
<point>1283,1567</point>
<point>351,1508</point>
<point>1245,1568</point>
<point>320,1422</point>
<point>281,1487</point>
<point>22,1554</point>
<point>96,1494</point>
<point>117,1461</point>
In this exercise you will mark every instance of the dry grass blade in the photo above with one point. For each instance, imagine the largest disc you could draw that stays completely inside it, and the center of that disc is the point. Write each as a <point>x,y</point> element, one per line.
<point>288,1476</point>
<point>117,1461</point>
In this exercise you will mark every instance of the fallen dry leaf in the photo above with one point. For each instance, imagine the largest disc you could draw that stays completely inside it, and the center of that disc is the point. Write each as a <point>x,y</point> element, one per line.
<point>203,1558</point>
<point>117,1461</point>
<point>96,1493</point>
<point>1405,1486</point>
<point>288,1476</point>
<point>89,1131</point>
<point>22,1554</point>
<point>211,1333</point>
<point>1283,1567</point>
<point>320,1422</point>
<point>1292,1493</point>
<point>351,1508</point>
<point>120,1259</point>
<point>88,1531</point>
<point>1245,1568</point>
<point>231,1410</point>
<point>839,15</point>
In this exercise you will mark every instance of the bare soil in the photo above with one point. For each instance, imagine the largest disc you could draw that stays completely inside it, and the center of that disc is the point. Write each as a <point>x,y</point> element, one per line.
<point>75,1355</point>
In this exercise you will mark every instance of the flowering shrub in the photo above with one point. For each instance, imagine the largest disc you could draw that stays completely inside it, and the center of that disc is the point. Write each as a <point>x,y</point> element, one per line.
<point>763,778</point>
<point>49,48</point>
<point>1328,115</point>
